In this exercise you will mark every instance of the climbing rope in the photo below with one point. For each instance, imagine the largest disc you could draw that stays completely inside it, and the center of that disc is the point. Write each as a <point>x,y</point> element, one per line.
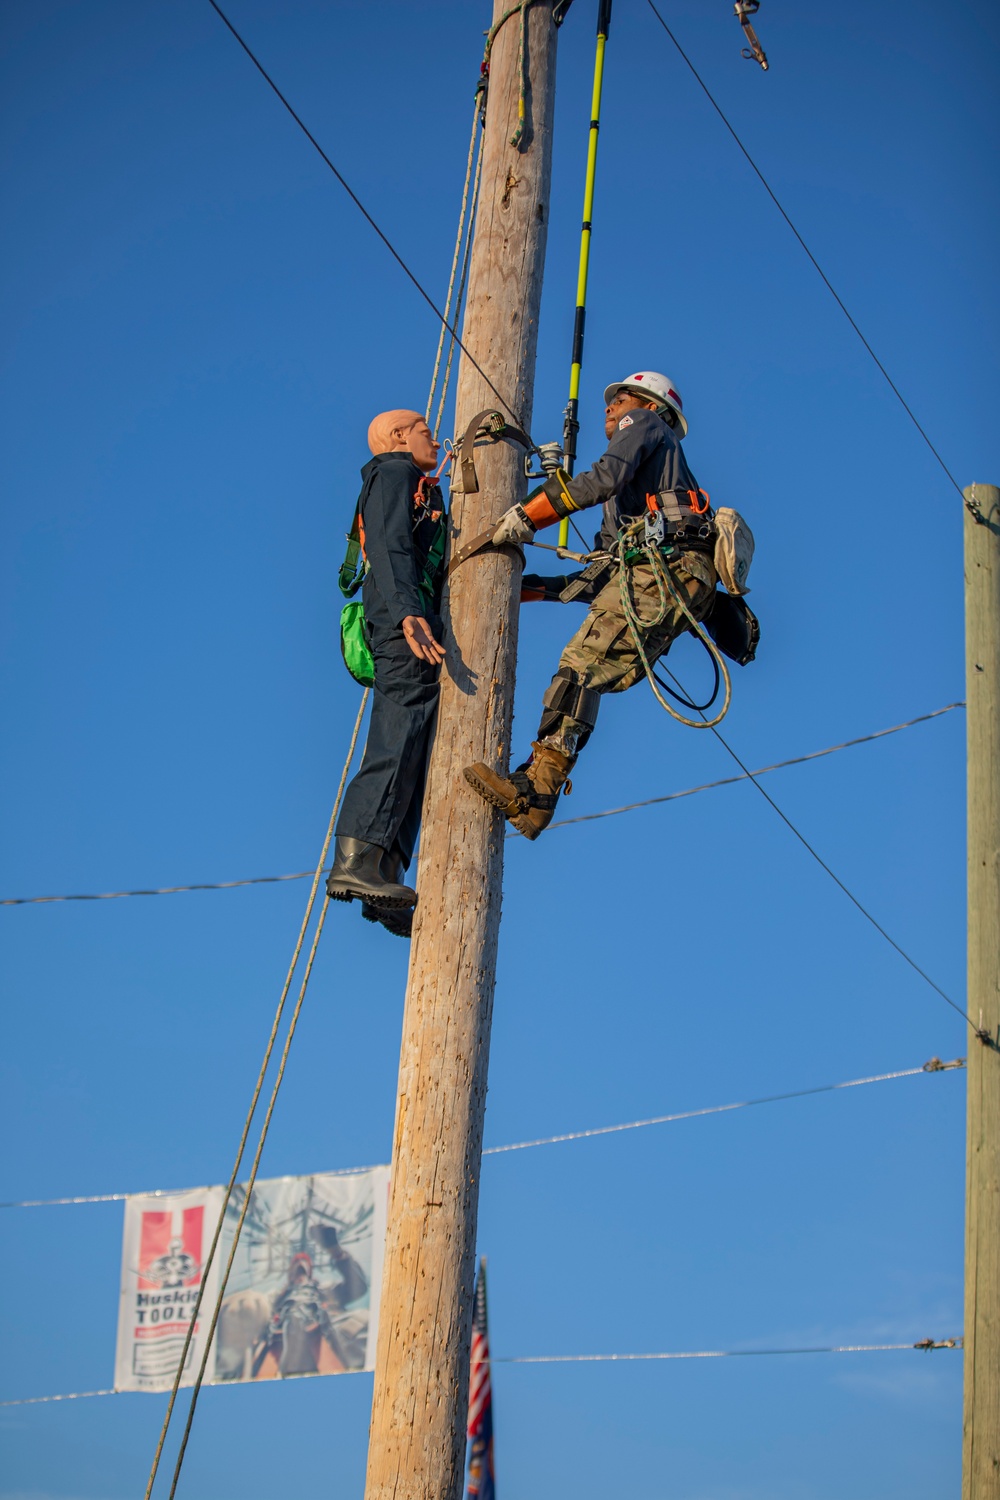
<point>196,1309</point>
<point>630,550</point>
<point>466,221</point>
<point>461,285</point>
<point>470,203</point>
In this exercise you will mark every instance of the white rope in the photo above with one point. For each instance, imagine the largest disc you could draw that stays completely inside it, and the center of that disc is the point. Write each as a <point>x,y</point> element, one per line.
<point>196,1307</point>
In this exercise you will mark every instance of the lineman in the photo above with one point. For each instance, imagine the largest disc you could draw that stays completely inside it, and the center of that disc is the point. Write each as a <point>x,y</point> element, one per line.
<point>644,421</point>
<point>401,523</point>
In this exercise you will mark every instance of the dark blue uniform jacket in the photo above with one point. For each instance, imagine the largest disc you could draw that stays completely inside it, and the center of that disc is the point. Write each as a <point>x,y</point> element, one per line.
<point>397,542</point>
<point>643,457</point>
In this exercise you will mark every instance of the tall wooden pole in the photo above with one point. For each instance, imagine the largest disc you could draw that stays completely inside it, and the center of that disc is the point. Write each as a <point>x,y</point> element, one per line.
<point>417,1440</point>
<point>981,1426</point>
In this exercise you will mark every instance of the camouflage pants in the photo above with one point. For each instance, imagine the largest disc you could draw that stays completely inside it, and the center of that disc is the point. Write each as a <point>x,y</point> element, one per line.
<point>602,654</point>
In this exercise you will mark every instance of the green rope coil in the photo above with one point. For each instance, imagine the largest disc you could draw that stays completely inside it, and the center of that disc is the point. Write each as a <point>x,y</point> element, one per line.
<point>630,550</point>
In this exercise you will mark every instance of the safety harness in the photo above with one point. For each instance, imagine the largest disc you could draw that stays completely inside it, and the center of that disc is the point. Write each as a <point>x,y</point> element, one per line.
<point>428,504</point>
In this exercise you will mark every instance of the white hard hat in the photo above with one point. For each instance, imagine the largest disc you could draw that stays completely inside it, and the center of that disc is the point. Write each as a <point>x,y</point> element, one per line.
<point>657,387</point>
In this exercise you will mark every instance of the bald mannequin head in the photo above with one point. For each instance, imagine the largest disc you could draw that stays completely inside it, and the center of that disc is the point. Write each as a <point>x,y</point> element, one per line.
<point>388,428</point>
<point>403,431</point>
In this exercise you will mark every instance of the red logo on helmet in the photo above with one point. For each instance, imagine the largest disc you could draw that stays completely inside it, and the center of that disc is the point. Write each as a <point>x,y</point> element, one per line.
<point>674,397</point>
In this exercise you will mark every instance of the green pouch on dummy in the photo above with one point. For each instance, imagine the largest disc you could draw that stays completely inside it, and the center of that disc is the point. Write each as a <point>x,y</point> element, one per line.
<point>354,645</point>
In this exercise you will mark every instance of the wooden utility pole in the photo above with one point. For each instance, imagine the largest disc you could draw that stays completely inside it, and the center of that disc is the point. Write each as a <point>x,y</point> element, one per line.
<point>419,1410</point>
<point>981,1424</point>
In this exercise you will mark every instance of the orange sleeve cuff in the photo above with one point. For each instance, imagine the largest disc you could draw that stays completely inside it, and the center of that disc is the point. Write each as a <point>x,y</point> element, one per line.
<point>540,511</point>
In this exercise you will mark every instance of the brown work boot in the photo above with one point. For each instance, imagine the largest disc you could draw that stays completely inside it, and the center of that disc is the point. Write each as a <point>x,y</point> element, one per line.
<point>528,796</point>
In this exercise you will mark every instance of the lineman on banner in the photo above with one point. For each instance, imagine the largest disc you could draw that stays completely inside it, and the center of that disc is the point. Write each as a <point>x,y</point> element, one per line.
<point>644,421</point>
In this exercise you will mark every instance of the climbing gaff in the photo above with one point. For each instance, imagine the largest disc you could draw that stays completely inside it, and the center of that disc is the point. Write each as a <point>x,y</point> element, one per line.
<point>571,425</point>
<point>743,10</point>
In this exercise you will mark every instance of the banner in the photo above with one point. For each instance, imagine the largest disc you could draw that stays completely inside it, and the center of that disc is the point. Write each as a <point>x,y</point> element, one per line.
<point>302,1297</point>
<point>164,1246</point>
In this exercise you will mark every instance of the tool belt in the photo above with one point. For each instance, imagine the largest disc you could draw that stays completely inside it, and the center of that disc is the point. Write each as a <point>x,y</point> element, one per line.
<point>689,527</point>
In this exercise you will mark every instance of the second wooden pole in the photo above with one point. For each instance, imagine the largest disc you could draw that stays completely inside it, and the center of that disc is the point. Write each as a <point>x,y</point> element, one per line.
<point>981,1425</point>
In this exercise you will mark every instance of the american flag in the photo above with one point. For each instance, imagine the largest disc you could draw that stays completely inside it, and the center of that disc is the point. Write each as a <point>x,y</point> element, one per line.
<point>482,1480</point>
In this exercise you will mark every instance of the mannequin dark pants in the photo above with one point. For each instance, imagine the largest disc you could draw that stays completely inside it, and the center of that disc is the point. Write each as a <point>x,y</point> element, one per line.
<point>382,803</point>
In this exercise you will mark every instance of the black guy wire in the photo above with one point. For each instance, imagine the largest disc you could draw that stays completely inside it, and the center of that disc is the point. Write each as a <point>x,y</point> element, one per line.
<point>361,207</point>
<point>826,280</point>
<point>836,878</point>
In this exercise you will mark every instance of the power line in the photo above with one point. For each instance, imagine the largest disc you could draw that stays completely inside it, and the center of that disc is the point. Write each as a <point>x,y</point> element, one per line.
<point>826,280</point>
<point>611,812</point>
<point>933,1065</point>
<point>572,1359</point>
<point>361,208</point>
<point>780,765</point>
<point>924,1345</point>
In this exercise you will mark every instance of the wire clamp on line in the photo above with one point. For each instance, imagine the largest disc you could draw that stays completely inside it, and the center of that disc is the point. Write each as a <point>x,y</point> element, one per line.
<point>927,1344</point>
<point>935,1065</point>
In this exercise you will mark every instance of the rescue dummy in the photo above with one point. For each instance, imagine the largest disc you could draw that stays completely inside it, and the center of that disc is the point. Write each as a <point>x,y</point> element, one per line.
<point>644,422</point>
<point>401,526</point>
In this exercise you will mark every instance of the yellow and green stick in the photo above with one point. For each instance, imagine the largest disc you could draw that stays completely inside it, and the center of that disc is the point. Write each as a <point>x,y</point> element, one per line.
<point>571,425</point>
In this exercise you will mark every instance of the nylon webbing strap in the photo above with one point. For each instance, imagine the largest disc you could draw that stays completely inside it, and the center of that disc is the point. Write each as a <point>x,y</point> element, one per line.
<point>479,544</point>
<point>495,427</point>
<point>354,567</point>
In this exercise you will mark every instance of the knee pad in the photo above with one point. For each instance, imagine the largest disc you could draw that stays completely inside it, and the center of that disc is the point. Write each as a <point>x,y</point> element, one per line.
<point>567,698</point>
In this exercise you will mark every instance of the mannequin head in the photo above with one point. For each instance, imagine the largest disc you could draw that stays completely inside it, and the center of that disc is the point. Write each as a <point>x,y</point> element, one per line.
<point>403,431</point>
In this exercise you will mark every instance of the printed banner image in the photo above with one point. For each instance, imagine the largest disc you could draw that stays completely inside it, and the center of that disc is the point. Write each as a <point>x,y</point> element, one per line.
<point>303,1294</point>
<point>165,1242</point>
<point>302,1297</point>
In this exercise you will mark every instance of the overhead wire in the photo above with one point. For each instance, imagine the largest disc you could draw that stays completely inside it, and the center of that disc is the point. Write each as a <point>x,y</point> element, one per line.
<point>779,765</point>
<point>611,812</point>
<point>933,1065</point>
<point>564,1359</point>
<point>362,209</point>
<point>826,280</point>
<point>571,1359</point>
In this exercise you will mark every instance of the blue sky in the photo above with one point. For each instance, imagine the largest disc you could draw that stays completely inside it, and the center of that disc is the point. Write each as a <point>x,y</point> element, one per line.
<point>199,327</point>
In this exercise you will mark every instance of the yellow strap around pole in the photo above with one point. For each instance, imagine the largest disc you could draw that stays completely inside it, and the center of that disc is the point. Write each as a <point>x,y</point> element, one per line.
<point>571,425</point>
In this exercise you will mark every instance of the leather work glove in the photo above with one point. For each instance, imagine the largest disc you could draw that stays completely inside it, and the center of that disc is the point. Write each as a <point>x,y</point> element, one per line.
<point>514,528</point>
